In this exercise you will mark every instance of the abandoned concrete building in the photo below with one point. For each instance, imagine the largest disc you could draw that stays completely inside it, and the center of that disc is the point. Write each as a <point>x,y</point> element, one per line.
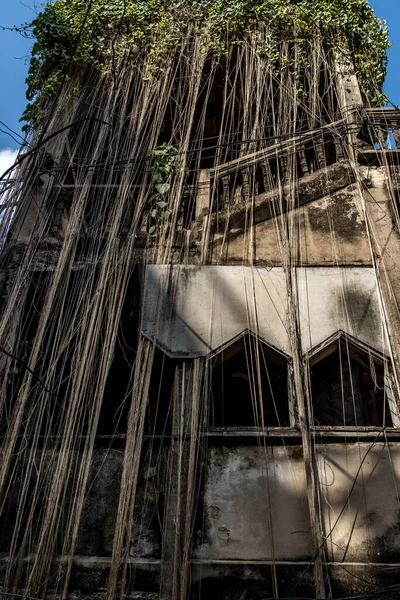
<point>201,334</point>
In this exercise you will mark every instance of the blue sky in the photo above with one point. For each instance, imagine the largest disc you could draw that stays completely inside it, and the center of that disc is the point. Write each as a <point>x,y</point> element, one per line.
<point>390,11</point>
<point>14,51</point>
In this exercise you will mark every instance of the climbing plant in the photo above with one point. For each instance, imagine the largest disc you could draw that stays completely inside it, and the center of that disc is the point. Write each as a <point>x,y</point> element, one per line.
<point>115,28</point>
<point>165,165</point>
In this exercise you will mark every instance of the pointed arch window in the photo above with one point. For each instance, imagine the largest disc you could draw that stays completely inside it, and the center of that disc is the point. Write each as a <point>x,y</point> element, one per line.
<point>351,385</point>
<point>250,386</point>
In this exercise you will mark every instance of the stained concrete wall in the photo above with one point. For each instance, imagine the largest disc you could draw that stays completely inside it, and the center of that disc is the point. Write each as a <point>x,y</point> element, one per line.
<point>326,216</point>
<point>328,231</point>
<point>360,485</point>
<point>96,532</point>
<point>255,500</point>
<point>384,224</point>
<point>255,507</point>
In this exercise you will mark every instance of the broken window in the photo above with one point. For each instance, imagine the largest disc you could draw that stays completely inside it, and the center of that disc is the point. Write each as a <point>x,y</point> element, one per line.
<point>351,386</point>
<point>249,386</point>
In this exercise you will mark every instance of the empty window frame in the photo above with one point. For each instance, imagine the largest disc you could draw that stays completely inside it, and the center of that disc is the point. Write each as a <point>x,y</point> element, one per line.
<point>250,387</point>
<point>351,386</point>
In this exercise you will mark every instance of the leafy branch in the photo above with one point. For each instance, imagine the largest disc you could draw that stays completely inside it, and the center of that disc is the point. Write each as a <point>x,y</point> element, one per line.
<point>165,165</point>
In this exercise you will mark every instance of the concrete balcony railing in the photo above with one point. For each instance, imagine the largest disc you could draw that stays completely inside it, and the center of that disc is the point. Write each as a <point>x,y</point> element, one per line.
<point>384,128</point>
<point>232,184</point>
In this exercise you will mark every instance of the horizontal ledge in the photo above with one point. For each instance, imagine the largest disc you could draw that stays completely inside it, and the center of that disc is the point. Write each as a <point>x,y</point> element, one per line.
<point>239,432</point>
<point>97,186</point>
<point>289,432</point>
<point>355,432</point>
<point>106,561</point>
<point>299,563</point>
<point>273,432</point>
<point>383,113</point>
<point>355,428</point>
<point>275,150</point>
<point>82,559</point>
<point>371,156</point>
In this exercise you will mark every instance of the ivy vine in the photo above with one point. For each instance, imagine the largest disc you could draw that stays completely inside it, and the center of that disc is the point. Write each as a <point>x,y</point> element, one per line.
<point>156,26</point>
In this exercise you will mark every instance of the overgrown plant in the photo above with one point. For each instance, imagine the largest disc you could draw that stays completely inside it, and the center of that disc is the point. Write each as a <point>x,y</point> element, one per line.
<point>115,28</point>
<point>165,165</point>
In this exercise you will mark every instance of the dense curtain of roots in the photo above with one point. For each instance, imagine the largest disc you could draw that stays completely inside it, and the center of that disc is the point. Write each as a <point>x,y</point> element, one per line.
<point>60,325</point>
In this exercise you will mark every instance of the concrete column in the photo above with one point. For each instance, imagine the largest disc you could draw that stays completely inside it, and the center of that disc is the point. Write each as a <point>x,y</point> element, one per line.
<point>303,161</point>
<point>384,230</point>
<point>349,93</point>
<point>246,185</point>
<point>226,192</point>
<point>203,194</point>
<point>181,482</point>
<point>303,410</point>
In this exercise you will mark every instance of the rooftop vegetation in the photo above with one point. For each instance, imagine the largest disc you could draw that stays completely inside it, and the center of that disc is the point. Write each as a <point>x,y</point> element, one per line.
<point>75,35</point>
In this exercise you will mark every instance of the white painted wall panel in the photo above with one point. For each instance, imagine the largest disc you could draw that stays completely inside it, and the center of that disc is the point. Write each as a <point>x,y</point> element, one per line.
<point>191,311</point>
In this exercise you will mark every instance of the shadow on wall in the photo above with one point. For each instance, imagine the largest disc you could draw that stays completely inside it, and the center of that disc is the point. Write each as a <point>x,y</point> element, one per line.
<point>359,485</point>
<point>254,505</point>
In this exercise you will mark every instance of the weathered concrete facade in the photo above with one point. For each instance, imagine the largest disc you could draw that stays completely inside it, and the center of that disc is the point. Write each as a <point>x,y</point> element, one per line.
<point>273,491</point>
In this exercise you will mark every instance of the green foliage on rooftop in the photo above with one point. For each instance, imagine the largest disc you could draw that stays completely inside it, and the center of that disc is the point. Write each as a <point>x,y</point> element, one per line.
<point>68,37</point>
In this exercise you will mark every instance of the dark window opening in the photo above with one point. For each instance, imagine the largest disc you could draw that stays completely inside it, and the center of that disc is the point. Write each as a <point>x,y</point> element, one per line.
<point>32,310</point>
<point>260,184</point>
<point>28,323</point>
<point>59,374</point>
<point>396,198</point>
<point>348,388</point>
<point>58,208</point>
<point>159,409</point>
<point>118,390</point>
<point>249,386</point>
<point>50,396</point>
